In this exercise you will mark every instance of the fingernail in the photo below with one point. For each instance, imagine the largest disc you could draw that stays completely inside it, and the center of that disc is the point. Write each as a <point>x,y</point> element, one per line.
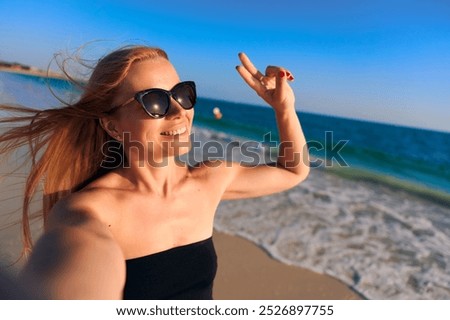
<point>291,78</point>
<point>281,74</point>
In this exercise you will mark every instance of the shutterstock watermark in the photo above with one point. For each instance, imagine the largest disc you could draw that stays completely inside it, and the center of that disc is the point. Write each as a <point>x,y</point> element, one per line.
<point>208,151</point>
<point>332,151</point>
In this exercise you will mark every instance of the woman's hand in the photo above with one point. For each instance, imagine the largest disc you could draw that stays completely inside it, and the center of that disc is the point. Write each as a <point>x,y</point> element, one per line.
<point>272,86</point>
<point>292,164</point>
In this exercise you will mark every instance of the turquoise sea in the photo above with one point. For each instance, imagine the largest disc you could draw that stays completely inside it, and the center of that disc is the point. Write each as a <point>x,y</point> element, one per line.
<point>419,158</point>
<point>375,214</point>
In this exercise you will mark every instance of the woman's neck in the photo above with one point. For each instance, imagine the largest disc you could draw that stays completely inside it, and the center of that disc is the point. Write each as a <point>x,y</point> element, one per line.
<point>160,178</point>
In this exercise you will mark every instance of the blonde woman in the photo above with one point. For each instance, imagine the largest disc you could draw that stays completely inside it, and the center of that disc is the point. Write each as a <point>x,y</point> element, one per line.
<point>140,230</point>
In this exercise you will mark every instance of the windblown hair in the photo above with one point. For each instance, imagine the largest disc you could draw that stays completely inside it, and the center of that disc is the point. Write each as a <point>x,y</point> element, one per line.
<point>65,143</point>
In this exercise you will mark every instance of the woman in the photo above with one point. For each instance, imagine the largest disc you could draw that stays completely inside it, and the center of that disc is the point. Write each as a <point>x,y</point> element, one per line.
<point>143,229</point>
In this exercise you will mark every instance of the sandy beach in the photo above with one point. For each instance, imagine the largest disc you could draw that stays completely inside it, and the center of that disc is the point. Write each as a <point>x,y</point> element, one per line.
<point>247,272</point>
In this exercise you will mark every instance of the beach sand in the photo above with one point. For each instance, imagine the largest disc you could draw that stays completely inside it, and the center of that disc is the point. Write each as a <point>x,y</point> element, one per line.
<point>246,272</point>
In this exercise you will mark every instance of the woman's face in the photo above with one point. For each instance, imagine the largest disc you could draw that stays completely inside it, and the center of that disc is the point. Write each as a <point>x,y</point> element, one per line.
<point>146,136</point>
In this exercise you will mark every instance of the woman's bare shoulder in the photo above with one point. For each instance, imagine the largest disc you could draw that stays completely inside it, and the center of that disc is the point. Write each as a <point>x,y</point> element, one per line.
<point>218,171</point>
<point>83,207</point>
<point>210,167</point>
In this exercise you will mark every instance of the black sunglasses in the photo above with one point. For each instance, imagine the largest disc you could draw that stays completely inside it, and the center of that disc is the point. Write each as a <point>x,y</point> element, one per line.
<point>156,102</point>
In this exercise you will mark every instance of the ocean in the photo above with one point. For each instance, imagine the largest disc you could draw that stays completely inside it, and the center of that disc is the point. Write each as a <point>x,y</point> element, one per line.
<point>416,156</point>
<point>374,213</point>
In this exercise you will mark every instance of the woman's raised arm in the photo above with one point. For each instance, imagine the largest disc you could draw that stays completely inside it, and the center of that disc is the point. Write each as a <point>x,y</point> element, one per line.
<point>292,164</point>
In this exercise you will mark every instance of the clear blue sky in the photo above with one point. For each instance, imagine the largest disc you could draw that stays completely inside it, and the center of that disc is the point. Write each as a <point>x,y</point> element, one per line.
<point>384,60</point>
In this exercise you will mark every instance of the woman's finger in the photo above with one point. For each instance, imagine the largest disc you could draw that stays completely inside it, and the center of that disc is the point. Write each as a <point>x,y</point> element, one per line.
<point>272,71</point>
<point>282,85</point>
<point>254,83</point>
<point>250,67</point>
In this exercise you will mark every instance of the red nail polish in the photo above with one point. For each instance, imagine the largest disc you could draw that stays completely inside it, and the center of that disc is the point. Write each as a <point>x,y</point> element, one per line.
<point>281,74</point>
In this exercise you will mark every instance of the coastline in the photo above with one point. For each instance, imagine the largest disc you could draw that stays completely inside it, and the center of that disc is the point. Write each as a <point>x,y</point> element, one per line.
<point>35,72</point>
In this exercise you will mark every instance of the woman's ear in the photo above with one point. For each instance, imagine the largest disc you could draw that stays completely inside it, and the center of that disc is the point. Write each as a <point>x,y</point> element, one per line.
<point>110,126</point>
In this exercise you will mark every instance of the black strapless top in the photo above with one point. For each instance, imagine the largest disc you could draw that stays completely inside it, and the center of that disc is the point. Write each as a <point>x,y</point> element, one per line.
<point>181,273</point>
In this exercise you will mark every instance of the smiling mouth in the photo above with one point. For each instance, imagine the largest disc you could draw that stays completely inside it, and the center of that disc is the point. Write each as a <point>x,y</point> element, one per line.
<point>174,132</point>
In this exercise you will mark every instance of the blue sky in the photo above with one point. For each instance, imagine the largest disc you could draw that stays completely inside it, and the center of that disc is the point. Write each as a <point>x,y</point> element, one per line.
<point>387,61</point>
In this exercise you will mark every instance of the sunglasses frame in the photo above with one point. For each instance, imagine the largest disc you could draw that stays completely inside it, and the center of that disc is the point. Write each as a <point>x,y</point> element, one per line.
<point>139,96</point>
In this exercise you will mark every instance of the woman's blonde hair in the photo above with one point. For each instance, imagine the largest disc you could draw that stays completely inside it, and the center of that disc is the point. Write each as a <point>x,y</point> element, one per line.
<point>65,144</point>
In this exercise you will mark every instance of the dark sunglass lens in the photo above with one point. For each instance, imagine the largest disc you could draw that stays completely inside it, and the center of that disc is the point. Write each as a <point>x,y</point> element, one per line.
<point>156,103</point>
<point>185,95</point>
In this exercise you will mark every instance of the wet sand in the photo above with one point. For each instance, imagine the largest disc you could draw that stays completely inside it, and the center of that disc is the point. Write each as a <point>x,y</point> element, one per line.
<point>246,272</point>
